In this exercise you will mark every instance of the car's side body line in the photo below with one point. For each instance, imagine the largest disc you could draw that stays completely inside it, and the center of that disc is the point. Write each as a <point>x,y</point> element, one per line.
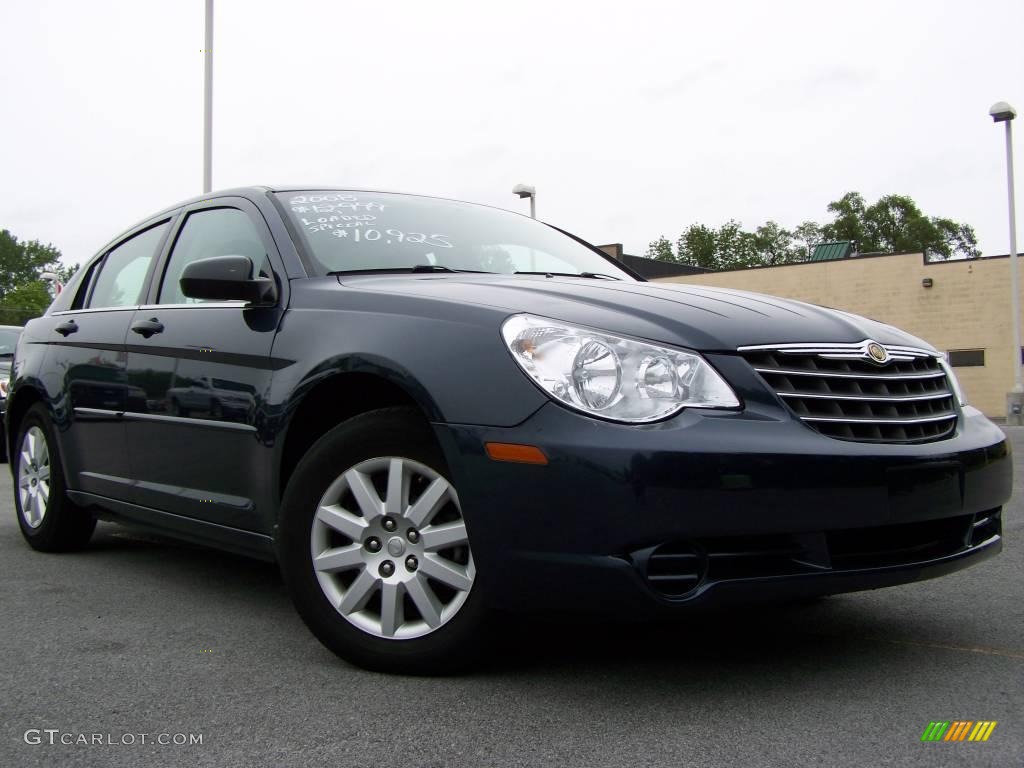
<point>207,423</point>
<point>100,413</point>
<point>197,531</point>
<point>211,355</point>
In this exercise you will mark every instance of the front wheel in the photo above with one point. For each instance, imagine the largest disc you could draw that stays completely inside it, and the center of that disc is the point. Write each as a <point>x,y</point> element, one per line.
<point>49,520</point>
<point>375,549</point>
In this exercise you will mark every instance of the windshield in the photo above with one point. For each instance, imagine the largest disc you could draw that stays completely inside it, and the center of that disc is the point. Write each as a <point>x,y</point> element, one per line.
<point>8,341</point>
<point>358,231</point>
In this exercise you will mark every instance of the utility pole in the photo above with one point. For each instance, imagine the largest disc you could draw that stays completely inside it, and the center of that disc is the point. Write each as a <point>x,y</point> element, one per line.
<point>1001,112</point>
<point>208,100</point>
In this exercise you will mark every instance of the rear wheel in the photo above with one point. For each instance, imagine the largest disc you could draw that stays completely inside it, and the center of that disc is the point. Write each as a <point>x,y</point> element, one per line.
<point>49,520</point>
<point>375,549</point>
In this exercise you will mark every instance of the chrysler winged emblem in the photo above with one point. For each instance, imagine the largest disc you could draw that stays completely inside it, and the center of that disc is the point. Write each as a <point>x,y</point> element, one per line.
<point>877,352</point>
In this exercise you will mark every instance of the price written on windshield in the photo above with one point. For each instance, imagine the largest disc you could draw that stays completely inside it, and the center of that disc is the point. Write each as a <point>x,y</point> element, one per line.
<point>327,223</point>
<point>347,217</point>
<point>390,236</point>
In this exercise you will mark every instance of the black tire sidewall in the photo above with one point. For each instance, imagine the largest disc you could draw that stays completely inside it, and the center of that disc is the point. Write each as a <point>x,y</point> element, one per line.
<point>387,432</point>
<point>64,525</point>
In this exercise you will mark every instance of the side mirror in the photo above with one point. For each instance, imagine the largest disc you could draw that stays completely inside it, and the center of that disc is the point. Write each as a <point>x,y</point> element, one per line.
<point>226,278</point>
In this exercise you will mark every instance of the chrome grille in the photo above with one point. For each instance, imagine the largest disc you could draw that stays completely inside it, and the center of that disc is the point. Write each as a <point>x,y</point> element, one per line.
<point>840,391</point>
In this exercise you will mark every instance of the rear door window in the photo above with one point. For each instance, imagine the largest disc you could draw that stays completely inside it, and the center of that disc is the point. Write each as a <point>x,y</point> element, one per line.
<point>121,280</point>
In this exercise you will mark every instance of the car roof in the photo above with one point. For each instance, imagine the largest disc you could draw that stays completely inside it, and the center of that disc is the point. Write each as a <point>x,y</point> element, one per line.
<point>255,190</point>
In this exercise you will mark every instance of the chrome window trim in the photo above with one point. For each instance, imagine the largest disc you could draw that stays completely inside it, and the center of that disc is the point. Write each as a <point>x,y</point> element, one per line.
<point>89,310</point>
<point>206,305</point>
<point>201,305</point>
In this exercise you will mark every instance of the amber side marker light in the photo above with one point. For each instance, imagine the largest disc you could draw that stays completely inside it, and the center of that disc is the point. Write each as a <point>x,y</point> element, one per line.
<point>520,454</point>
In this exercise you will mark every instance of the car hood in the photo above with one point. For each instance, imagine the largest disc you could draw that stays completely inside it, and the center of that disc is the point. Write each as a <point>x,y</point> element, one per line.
<point>698,317</point>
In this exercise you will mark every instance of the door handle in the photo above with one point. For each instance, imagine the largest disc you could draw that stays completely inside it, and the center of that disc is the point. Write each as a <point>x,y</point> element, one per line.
<point>147,328</point>
<point>66,328</point>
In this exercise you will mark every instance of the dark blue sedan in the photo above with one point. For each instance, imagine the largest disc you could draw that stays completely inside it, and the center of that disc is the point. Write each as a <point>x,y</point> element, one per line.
<point>427,411</point>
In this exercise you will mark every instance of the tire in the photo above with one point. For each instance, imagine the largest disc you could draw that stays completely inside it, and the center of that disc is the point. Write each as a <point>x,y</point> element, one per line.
<point>49,520</point>
<point>435,627</point>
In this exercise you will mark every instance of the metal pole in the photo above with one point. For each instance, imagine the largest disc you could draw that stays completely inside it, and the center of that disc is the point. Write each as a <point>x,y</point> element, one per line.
<point>533,215</point>
<point>1018,384</point>
<point>208,100</point>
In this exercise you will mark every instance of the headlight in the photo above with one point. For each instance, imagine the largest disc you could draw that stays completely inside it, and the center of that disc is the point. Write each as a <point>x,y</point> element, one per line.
<point>954,383</point>
<point>5,386</point>
<point>612,377</point>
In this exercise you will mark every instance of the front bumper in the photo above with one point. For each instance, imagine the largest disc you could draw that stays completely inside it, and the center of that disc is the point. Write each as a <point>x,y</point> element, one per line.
<point>714,506</point>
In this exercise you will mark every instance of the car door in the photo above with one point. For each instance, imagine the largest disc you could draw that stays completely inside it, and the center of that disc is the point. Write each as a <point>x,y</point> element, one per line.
<point>203,369</point>
<point>87,352</point>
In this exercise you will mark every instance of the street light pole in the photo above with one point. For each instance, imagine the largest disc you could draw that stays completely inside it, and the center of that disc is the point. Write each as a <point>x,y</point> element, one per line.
<point>208,100</point>
<point>525,190</point>
<point>1002,112</point>
<point>1018,385</point>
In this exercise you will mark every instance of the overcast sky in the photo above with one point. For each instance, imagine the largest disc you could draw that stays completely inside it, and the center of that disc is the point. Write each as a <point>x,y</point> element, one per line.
<point>631,119</point>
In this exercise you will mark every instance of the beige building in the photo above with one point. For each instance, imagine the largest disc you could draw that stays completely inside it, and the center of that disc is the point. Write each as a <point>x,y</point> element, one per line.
<point>962,307</point>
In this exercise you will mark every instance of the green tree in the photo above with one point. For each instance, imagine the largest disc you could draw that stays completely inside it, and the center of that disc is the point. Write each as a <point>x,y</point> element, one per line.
<point>23,261</point>
<point>22,303</point>
<point>661,250</point>
<point>848,219</point>
<point>734,247</point>
<point>959,239</point>
<point>894,224</point>
<point>697,247</point>
<point>729,246</point>
<point>775,245</point>
<point>805,237</point>
<point>23,295</point>
<point>65,272</point>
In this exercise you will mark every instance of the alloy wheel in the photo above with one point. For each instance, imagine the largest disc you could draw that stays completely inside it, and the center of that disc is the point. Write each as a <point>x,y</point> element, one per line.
<point>390,548</point>
<point>34,477</point>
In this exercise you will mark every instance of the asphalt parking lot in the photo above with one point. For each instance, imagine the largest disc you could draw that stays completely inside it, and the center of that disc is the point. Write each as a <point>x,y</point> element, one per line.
<point>141,636</point>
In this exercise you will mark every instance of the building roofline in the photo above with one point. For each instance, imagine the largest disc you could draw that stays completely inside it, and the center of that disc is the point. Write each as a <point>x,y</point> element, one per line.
<point>863,257</point>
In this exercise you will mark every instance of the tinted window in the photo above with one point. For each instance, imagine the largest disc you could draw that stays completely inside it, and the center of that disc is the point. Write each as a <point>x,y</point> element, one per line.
<point>377,230</point>
<point>82,294</point>
<point>213,232</point>
<point>122,276</point>
<point>8,341</point>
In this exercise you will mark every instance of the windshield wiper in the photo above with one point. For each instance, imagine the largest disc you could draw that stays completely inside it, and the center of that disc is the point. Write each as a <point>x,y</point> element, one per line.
<point>591,275</point>
<point>402,270</point>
